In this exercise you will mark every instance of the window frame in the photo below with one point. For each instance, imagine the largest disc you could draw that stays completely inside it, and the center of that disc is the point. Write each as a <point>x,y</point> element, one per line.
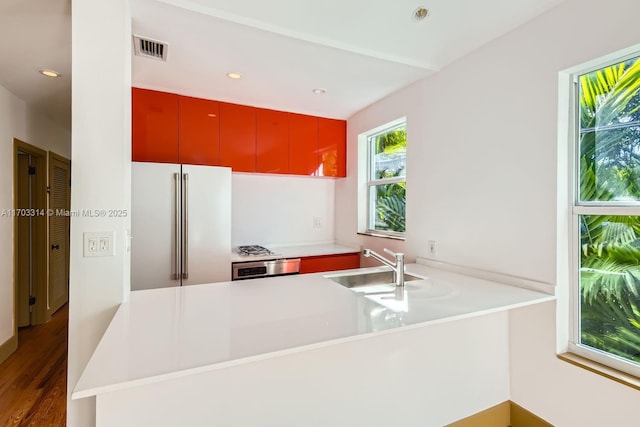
<point>370,181</point>
<point>579,208</point>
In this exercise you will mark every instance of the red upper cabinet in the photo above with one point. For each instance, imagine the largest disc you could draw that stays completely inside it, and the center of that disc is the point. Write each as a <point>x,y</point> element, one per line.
<point>332,146</point>
<point>154,136</point>
<point>238,137</point>
<point>170,128</point>
<point>199,131</point>
<point>272,141</point>
<point>303,144</point>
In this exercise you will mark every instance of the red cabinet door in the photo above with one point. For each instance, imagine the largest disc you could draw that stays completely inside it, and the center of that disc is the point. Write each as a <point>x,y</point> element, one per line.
<point>316,264</point>
<point>238,137</point>
<point>154,126</point>
<point>332,145</point>
<point>199,132</point>
<point>272,141</point>
<point>303,144</point>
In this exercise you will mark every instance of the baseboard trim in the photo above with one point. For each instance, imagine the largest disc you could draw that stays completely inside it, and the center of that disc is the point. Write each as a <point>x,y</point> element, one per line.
<point>520,417</point>
<point>8,347</point>
<point>496,416</point>
<point>506,414</point>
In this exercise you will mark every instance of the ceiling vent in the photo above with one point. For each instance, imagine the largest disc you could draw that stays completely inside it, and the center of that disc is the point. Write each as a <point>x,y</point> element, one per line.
<point>150,48</point>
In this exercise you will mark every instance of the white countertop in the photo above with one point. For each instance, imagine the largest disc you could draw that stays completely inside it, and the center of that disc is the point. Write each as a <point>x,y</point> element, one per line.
<point>297,251</point>
<point>168,333</point>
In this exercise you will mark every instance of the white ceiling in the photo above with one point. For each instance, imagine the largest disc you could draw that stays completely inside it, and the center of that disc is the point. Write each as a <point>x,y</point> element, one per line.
<point>359,50</point>
<point>36,34</point>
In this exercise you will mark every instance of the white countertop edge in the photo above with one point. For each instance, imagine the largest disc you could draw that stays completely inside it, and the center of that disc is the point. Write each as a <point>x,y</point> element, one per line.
<point>94,391</point>
<point>519,282</point>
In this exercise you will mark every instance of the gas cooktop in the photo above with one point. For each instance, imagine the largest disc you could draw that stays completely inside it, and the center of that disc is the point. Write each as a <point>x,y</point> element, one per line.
<point>253,250</point>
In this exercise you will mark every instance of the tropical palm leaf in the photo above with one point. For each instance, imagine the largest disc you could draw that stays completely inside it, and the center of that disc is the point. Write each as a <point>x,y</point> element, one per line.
<point>600,277</point>
<point>612,324</point>
<point>608,96</point>
<point>391,211</point>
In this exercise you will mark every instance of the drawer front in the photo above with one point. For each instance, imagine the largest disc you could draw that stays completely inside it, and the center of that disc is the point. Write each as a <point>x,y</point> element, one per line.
<point>318,264</point>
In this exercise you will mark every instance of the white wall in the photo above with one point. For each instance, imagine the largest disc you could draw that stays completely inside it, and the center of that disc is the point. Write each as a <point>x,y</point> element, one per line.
<point>101,177</point>
<point>17,120</point>
<point>279,209</point>
<point>563,394</point>
<point>481,175</point>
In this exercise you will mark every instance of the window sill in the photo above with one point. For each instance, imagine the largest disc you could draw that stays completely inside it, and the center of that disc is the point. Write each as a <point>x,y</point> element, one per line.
<point>384,236</point>
<point>600,369</point>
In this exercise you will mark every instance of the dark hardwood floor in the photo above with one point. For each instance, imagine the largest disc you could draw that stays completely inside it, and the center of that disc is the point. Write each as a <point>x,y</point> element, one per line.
<point>33,380</point>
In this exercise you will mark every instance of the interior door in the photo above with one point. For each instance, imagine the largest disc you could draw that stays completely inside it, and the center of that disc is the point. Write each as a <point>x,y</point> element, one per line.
<point>59,201</point>
<point>30,234</point>
<point>153,225</point>
<point>23,241</point>
<point>207,224</point>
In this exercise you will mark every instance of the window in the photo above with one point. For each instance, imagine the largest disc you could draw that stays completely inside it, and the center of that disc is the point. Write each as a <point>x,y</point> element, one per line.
<point>386,181</point>
<point>606,215</point>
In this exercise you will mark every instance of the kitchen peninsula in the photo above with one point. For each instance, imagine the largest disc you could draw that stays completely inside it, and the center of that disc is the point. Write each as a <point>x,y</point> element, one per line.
<point>304,350</point>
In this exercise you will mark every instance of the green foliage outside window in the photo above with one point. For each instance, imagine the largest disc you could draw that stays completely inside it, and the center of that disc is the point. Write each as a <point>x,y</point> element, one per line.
<point>389,162</point>
<point>609,172</point>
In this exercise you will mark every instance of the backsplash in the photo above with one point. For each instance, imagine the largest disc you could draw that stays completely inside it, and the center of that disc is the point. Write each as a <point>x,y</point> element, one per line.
<point>281,210</point>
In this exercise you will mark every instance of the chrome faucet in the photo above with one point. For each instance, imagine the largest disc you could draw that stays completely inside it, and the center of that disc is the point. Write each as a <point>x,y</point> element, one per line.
<point>398,267</point>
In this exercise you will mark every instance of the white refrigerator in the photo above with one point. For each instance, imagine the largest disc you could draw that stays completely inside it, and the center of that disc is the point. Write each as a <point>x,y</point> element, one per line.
<point>180,225</point>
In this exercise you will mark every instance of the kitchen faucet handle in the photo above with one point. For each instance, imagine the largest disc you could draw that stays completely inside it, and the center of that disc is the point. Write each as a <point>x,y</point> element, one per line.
<point>393,254</point>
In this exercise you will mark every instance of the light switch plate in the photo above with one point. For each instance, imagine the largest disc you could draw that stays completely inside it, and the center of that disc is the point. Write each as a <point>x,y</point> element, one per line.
<point>98,243</point>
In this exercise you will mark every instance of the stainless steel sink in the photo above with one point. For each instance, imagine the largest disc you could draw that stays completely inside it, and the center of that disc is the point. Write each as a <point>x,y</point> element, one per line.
<point>367,279</point>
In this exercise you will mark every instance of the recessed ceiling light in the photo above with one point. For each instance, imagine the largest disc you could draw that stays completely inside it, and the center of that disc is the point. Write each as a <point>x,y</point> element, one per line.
<point>234,76</point>
<point>319,91</point>
<point>420,13</point>
<point>49,73</point>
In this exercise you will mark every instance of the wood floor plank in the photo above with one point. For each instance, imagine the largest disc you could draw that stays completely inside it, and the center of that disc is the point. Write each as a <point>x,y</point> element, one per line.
<point>33,380</point>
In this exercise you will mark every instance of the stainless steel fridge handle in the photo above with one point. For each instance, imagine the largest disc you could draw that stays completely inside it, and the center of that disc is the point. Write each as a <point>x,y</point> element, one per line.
<point>185,227</point>
<point>176,240</point>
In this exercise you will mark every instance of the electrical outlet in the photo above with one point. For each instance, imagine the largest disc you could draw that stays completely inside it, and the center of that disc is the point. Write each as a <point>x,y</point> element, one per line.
<point>317,222</point>
<point>105,244</point>
<point>98,243</point>
<point>432,247</point>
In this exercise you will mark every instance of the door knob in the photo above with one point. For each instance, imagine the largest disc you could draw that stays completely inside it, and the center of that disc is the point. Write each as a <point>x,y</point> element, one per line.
<point>55,247</point>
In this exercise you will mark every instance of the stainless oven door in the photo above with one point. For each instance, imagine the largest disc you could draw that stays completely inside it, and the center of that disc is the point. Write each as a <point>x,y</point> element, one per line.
<point>256,269</point>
